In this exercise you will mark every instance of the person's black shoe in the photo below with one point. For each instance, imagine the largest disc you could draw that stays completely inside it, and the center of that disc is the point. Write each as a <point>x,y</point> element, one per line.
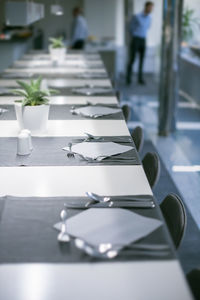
<point>128,81</point>
<point>141,81</point>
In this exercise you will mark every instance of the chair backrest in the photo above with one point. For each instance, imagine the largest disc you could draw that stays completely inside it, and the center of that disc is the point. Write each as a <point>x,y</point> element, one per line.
<point>174,213</point>
<point>151,165</point>
<point>138,137</point>
<point>193,278</point>
<point>126,111</point>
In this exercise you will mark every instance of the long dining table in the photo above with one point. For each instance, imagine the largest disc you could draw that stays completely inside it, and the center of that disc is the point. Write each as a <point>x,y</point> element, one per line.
<point>33,189</point>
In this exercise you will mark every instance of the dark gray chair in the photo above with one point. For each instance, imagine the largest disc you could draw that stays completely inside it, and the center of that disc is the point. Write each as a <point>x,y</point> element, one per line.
<point>138,137</point>
<point>193,278</point>
<point>126,112</point>
<point>151,165</point>
<point>174,214</point>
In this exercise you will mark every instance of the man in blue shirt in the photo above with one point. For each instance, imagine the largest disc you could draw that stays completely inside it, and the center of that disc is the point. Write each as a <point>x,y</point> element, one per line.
<point>79,31</point>
<point>139,26</point>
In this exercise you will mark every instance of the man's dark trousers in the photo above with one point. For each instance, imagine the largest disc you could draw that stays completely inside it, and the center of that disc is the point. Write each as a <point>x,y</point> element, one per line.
<point>138,45</point>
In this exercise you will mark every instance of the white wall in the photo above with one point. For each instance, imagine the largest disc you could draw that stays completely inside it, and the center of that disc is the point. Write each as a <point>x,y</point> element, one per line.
<point>51,24</point>
<point>100,15</point>
<point>106,19</point>
<point>120,23</point>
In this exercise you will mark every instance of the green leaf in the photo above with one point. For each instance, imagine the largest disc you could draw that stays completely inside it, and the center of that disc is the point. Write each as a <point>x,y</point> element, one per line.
<point>57,42</point>
<point>24,86</point>
<point>32,93</point>
<point>19,92</point>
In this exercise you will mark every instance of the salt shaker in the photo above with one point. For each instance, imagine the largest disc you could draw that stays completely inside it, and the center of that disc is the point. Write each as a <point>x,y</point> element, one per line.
<point>26,131</point>
<point>23,144</point>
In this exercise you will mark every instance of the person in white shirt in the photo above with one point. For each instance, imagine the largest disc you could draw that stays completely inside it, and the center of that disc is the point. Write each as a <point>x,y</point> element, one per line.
<point>79,31</point>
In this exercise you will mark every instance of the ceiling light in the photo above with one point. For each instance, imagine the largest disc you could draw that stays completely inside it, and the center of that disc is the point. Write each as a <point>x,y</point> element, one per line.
<point>57,9</point>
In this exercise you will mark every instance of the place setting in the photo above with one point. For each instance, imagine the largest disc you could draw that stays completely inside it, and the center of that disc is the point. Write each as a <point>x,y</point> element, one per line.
<point>102,152</point>
<point>91,75</point>
<point>72,112</point>
<point>62,233</point>
<point>16,75</point>
<point>65,63</point>
<point>84,90</point>
<point>97,111</point>
<point>92,90</point>
<point>26,150</point>
<point>110,233</point>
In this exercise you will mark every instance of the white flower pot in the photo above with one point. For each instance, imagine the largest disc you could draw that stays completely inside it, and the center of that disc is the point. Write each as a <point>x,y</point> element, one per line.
<point>57,54</point>
<point>34,118</point>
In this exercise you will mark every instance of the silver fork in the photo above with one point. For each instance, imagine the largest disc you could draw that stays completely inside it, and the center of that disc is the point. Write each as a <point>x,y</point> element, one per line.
<point>72,110</point>
<point>70,154</point>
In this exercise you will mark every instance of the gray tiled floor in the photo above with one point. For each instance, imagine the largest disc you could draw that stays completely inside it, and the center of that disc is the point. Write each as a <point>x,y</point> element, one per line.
<point>179,149</point>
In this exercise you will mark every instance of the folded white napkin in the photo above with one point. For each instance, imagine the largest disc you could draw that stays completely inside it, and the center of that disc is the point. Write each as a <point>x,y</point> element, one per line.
<point>99,150</point>
<point>92,91</point>
<point>95,111</point>
<point>113,225</point>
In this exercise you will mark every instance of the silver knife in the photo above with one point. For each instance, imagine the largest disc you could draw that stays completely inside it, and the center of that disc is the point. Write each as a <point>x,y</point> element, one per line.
<point>112,204</point>
<point>141,198</point>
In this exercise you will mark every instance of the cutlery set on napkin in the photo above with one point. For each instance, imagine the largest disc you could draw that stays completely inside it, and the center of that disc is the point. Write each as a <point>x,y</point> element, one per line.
<point>91,138</point>
<point>94,111</point>
<point>107,233</point>
<point>89,91</point>
<point>97,201</point>
<point>92,75</point>
<point>98,151</point>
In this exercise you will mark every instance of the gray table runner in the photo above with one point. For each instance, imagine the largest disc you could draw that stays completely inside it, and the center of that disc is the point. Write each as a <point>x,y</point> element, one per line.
<point>50,76</point>
<point>56,67</point>
<point>22,216</point>
<point>68,91</point>
<point>60,112</point>
<point>63,91</point>
<point>47,151</point>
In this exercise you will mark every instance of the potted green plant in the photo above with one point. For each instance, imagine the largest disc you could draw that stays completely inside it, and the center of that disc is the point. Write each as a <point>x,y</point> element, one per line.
<point>33,110</point>
<point>57,49</point>
<point>189,22</point>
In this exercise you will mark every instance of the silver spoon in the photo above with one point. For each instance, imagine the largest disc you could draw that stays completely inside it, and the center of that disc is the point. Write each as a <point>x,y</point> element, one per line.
<point>97,198</point>
<point>91,137</point>
<point>63,236</point>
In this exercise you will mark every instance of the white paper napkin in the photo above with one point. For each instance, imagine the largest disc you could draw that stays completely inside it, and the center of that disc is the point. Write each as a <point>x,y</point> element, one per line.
<point>99,150</point>
<point>92,91</point>
<point>113,225</point>
<point>95,111</point>
<point>92,75</point>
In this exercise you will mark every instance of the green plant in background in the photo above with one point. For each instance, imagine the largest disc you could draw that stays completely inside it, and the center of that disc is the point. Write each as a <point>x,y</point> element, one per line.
<point>188,24</point>
<point>32,93</point>
<point>57,42</point>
